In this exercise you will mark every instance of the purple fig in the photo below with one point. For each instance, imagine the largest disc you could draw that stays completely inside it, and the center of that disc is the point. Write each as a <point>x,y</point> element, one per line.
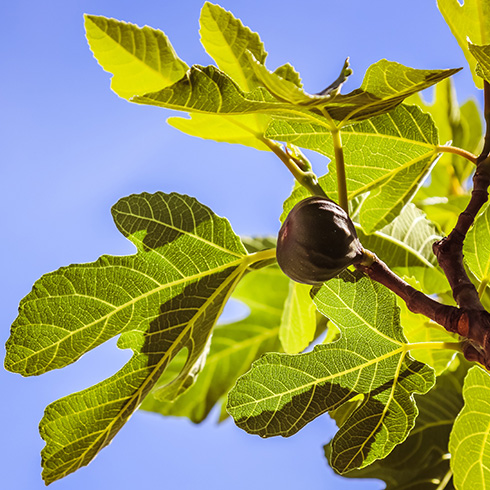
<point>317,241</point>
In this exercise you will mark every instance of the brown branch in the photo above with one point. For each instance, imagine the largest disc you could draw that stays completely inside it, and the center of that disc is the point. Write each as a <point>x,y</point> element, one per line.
<point>473,325</point>
<point>417,302</point>
<point>449,250</point>
<point>474,320</point>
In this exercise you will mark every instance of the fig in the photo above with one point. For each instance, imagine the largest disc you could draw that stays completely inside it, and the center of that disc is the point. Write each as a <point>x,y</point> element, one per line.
<point>317,241</point>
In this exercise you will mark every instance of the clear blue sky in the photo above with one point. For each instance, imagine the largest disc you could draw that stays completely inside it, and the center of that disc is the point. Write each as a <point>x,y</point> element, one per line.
<point>70,149</point>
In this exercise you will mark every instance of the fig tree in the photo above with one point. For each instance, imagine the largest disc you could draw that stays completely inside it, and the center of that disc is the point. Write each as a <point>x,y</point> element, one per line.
<point>317,241</point>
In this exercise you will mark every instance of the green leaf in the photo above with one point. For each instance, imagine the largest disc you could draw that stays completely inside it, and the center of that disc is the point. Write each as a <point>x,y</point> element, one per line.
<point>406,246</point>
<point>208,90</point>
<point>141,59</point>
<point>444,211</point>
<point>244,130</point>
<point>418,328</point>
<point>444,109</point>
<point>459,125</point>
<point>288,72</point>
<point>476,247</point>
<point>227,41</point>
<point>472,130</point>
<point>258,243</point>
<point>422,462</point>
<point>233,348</point>
<point>482,55</point>
<point>162,299</point>
<point>468,20</point>
<point>298,322</point>
<point>288,90</point>
<point>389,156</point>
<point>468,444</point>
<point>282,393</point>
<point>386,84</point>
<point>261,244</point>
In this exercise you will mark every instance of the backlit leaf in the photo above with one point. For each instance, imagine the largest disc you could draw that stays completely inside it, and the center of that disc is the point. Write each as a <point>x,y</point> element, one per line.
<point>298,322</point>
<point>418,328</point>
<point>233,348</point>
<point>444,211</point>
<point>389,156</point>
<point>289,91</point>
<point>288,72</point>
<point>406,246</point>
<point>476,247</point>
<point>227,41</point>
<point>282,393</point>
<point>244,130</point>
<point>459,126</point>
<point>164,299</point>
<point>422,461</point>
<point>141,59</point>
<point>209,90</point>
<point>468,444</point>
<point>468,20</point>
<point>386,84</point>
<point>482,55</point>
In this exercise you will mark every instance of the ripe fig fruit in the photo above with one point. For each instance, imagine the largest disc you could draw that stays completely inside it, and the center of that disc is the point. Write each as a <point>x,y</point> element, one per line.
<point>317,241</point>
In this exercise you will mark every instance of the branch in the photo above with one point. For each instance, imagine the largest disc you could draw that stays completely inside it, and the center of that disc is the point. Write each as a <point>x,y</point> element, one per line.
<point>417,301</point>
<point>474,319</point>
<point>449,250</point>
<point>473,325</point>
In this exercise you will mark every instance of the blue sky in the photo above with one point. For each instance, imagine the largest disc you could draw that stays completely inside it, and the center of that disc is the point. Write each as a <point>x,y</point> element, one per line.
<point>71,148</point>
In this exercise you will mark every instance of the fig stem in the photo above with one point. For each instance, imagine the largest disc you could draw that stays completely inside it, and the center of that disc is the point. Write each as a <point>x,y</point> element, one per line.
<point>306,178</point>
<point>368,258</point>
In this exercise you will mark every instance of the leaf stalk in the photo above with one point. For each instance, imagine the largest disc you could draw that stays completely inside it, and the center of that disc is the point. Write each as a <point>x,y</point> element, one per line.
<point>267,254</point>
<point>340,168</point>
<point>456,346</point>
<point>457,151</point>
<point>306,178</point>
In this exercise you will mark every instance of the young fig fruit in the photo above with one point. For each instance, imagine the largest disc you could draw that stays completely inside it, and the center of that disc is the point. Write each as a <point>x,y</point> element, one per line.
<point>317,241</point>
